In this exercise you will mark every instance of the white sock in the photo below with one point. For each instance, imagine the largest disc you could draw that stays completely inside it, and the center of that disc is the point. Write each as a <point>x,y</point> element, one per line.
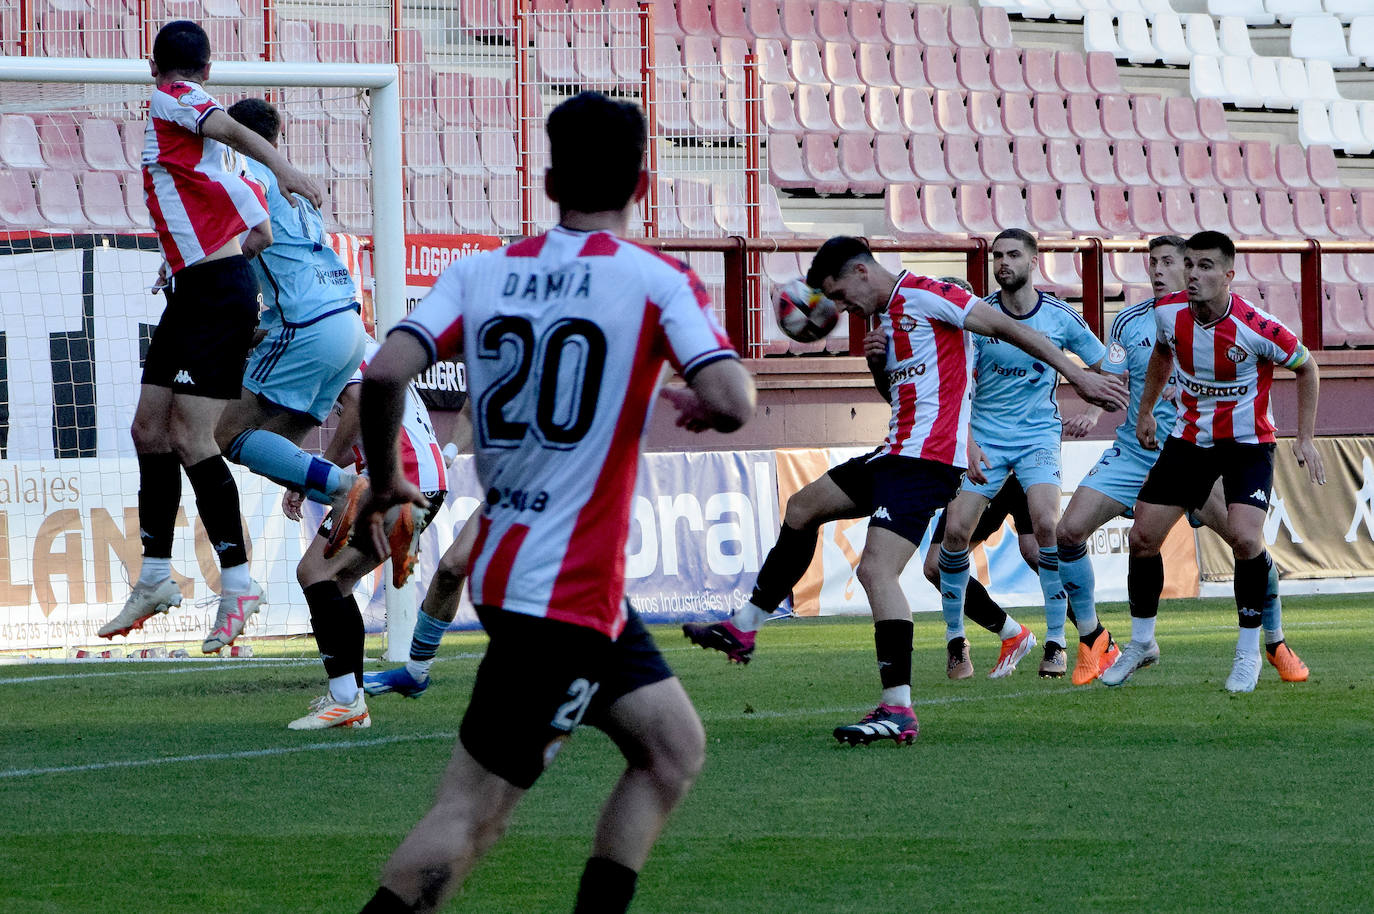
<point>235,580</point>
<point>749,618</point>
<point>1010,629</point>
<point>1143,630</point>
<point>154,571</point>
<point>418,669</point>
<point>897,696</point>
<point>343,689</point>
<point>1249,641</point>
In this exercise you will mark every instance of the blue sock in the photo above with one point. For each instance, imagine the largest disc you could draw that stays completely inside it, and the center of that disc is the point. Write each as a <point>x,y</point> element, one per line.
<point>429,631</point>
<point>269,454</point>
<point>953,583</point>
<point>1271,614</point>
<point>1076,574</point>
<point>1056,604</point>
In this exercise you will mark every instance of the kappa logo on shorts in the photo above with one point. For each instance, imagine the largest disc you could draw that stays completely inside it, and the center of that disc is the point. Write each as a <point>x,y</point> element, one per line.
<point>881,514</point>
<point>183,377</point>
<point>1260,495</point>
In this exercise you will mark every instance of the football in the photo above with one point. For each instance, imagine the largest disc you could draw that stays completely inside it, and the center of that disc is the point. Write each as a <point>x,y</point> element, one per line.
<point>803,313</point>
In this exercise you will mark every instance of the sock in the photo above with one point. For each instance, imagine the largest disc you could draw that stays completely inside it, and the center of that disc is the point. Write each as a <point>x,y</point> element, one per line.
<point>338,627</point>
<point>896,696</point>
<point>1076,574</point>
<point>1010,629</point>
<point>1056,604</point>
<point>1249,640</point>
<point>1251,583</point>
<point>217,499</point>
<point>606,887</point>
<point>981,608</point>
<point>344,689</point>
<point>159,496</point>
<point>386,902</point>
<point>892,639</point>
<point>954,577</point>
<point>429,631</point>
<point>784,566</point>
<point>749,618</point>
<point>269,454</point>
<point>154,570</point>
<point>1271,617</point>
<point>235,579</point>
<point>1144,584</point>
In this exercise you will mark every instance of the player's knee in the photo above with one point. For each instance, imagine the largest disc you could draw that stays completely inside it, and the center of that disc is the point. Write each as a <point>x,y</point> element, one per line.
<point>931,566</point>
<point>1144,542</point>
<point>872,573</point>
<point>800,513</point>
<point>1069,531</point>
<point>149,437</point>
<point>1246,544</point>
<point>677,760</point>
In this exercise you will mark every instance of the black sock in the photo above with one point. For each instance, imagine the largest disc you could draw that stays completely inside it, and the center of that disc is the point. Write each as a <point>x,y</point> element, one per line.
<point>386,902</point>
<point>1144,584</point>
<point>1251,587</point>
<point>606,888</point>
<point>217,499</point>
<point>981,608</point>
<point>892,638</point>
<point>338,629</point>
<point>783,567</point>
<point>159,497</point>
<point>1091,636</point>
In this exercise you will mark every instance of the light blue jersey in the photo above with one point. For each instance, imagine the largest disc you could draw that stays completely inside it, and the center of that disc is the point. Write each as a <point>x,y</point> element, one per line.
<point>1128,350</point>
<point>1014,398</point>
<point>301,277</point>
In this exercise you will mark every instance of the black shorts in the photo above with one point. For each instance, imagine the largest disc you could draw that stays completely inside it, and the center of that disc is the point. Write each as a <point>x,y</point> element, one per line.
<point>1010,501</point>
<point>898,493</point>
<point>201,344</point>
<point>540,678</point>
<point>1185,473</point>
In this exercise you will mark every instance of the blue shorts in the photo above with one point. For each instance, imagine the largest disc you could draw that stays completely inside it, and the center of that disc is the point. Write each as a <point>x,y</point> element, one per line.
<point>1035,463</point>
<point>1120,472</point>
<point>304,368</point>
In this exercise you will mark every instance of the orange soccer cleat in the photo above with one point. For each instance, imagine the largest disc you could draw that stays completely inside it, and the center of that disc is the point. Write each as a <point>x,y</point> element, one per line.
<point>1290,665</point>
<point>1095,657</point>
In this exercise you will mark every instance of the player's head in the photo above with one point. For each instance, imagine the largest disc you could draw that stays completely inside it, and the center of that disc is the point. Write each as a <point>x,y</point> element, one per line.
<point>181,49</point>
<point>259,116</point>
<point>845,270</point>
<point>1166,264</point>
<point>1208,261</point>
<point>1014,255</point>
<point>960,282</point>
<point>596,154</point>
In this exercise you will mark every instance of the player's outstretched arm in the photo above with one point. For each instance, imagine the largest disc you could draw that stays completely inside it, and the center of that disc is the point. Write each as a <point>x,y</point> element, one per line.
<point>1156,376</point>
<point>720,396</point>
<point>381,404</point>
<point>1304,447</point>
<point>1106,391</point>
<point>220,126</point>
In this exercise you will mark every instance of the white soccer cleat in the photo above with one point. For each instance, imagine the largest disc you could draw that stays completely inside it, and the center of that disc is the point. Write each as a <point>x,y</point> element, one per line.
<point>1134,656</point>
<point>144,602</point>
<point>325,712</point>
<point>234,610</point>
<point>1245,672</point>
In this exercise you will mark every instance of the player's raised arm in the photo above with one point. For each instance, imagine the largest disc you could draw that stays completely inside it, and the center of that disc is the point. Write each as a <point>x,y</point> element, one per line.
<point>1106,391</point>
<point>720,396</point>
<point>400,359</point>
<point>220,126</point>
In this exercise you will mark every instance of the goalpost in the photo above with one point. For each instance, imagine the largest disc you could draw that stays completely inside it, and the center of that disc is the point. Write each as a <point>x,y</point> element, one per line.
<point>77,318</point>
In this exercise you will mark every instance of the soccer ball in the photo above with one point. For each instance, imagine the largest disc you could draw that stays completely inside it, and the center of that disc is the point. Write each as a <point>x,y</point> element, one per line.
<point>803,313</point>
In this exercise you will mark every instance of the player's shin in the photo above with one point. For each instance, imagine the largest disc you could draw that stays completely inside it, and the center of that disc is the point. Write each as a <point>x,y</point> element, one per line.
<point>1251,586</point>
<point>339,633</point>
<point>217,499</point>
<point>1144,584</point>
<point>892,641</point>
<point>159,496</point>
<point>1271,618</point>
<point>1076,574</point>
<point>1056,605</point>
<point>269,454</point>
<point>782,568</point>
<point>954,577</point>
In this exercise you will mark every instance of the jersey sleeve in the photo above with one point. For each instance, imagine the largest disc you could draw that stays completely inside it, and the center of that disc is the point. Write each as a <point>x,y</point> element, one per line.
<point>1117,345</point>
<point>936,300</point>
<point>1082,342</point>
<point>184,104</point>
<point>437,321</point>
<point>694,336</point>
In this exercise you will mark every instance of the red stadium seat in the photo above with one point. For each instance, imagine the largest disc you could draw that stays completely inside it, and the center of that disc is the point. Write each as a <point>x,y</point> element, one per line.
<point>1103,75</point>
<point>951,115</point>
<point>985,115</point>
<point>1309,215</point>
<point>928,159</point>
<point>973,204</point>
<point>1163,162</point>
<point>857,164</point>
<point>1038,67</point>
<point>813,110</point>
<point>423,153</point>
<point>964,28</point>
<point>961,159</point>
<point>729,18</point>
<point>1029,158</point>
<point>1340,212</point>
<point>1147,211</point>
<point>693,17</point>
<point>892,159</point>
<point>59,202</point>
<point>1009,206</point>
<point>19,146</point>
<point>1180,212</point>
<point>1098,162</point>
<point>1085,210</point>
<point>832,21</point>
<point>1321,165</point>
<point>60,142</point>
<point>1364,211</point>
<point>694,205</point>
<point>1180,119</point>
<point>112,33</point>
<point>1071,71</point>
<point>1132,167</point>
<point>1043,211</point>
<point>1290,164</point>
<point>1018,115</point>
<point>345,149</point>
<point>1281,300</point>
<point>865,21</point>
<point>996,28</point>
<point>135,203</point>
<point>1051,118</point>
<point>1276,214</point>
<point>847,109</point>
<point>772,63</point>
<point>1259,165</point>
<point>1211,119</point>
<point>939,69</point>
<point>1085,120</point>
<point>804,59</point>
<point>908,69</point>
<point>873,65</point>
<point>884,114</point>
<point>1149,117</point>
<point>898,26</point>
<point>1117,120</point>
<point>101,145</point>
<point>1006,70</point>
<point>779,112</point>
<point>1244,207</point>
<point>973,69</point>
<point>918,114</point>
<point>785,169</point>
<point>431,209</point>
<point>905,211</point>
<point>839,64</point>
<point>1065,161</point>
<point>798,21</point>
<point>1195,164</point>
<point>462,152</point>
<point>932,29</point>
<point>1129,268</point>
<point>1212,211</point>
<point>18,204</point>
<point>1347,318</point>
<point>994,156</point>
<point>1228,164</point>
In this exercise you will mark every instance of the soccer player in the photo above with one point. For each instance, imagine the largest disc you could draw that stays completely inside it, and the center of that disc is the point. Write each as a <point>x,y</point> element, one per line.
<point>333,564</point>
<point>565,336</point>
<point>195,361</point>
<point>1111,486</point>
<point>1222,350</point>
<point>928,361</point>
<point>1017,426</point>
<point>313,337</point>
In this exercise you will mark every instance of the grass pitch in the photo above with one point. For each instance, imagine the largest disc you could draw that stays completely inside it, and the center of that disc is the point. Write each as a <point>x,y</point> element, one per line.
<point>176,787</point>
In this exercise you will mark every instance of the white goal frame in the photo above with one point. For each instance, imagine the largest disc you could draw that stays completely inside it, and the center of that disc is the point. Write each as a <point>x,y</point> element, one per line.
<point>388,220</point>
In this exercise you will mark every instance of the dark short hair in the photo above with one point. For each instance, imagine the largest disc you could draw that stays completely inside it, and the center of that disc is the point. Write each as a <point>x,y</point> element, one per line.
<point>181,47</point>
<point>958,281</point>
<point>1176,241</point>
<point>833,257</point>
<point>596,151</point>
<point>1213,241</point>
<point>1020,235</point>
<point>259,116</point>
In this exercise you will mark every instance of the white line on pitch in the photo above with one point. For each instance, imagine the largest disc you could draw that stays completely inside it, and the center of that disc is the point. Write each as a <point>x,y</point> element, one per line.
<point>225,756</point>
<point>136,668</point>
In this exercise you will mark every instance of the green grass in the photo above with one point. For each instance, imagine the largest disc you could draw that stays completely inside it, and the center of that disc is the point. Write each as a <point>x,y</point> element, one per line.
<point>1020,795</point>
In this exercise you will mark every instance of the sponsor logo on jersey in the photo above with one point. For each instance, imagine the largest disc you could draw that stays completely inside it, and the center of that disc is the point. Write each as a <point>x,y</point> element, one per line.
<point>1214,390</point>
<point>906,373</point>
<point>1008,371</point>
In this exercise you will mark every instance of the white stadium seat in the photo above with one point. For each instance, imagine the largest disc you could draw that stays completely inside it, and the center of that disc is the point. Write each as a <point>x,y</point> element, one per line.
<point>1349,132</point>
<point>1264,75</point>
<point>1099,35</point>
<point>1133,32</point>
<point>1321,81</point>
<point>1233,35</point>
<point>1200,33</point>
<point>1346,10</point>
<point>1362,39</point>
<point>1204,78</point>
<point>1314,125</point>
<point>1240,86</point>
<point>1252,11</point>
<point>1293,79</point>
<point>1321,38</point>
<point>1288,10</point>
<point>1166,29</point>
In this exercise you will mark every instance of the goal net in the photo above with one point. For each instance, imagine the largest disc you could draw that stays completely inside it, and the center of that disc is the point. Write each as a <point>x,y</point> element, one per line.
<point>77,262</point>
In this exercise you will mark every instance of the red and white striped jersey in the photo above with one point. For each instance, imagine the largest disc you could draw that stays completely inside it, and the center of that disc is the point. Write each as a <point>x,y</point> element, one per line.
<point>196,195</point>
<point>1225,369</point>
<point>421,457</point>
<point>929,369</point>
<point>564,336</point>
